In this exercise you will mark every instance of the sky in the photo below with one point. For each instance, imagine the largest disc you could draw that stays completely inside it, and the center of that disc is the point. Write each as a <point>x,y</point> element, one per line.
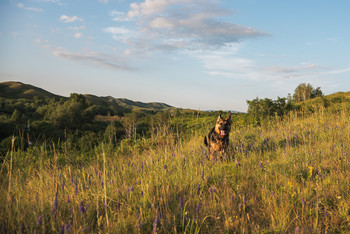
<point>198,54</point>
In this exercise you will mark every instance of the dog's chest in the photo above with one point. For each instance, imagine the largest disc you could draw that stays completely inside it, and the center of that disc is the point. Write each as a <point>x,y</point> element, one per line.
<point>217,145</point>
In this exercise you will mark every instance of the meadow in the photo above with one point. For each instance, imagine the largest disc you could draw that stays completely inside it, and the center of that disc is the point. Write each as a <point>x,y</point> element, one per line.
<point>289,174</point>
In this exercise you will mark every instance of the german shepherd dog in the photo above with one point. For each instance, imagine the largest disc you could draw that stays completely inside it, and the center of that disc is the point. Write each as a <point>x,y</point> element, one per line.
<point>217,140</point>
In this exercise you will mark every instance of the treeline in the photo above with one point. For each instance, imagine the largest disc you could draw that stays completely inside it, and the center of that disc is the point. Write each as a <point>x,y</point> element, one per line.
<point>260,109</point>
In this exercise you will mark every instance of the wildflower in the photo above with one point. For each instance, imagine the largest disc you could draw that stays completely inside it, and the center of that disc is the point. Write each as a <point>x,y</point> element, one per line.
<point>260,165</point>
<point>198,189</point>
<point>68,227</point>
<point>131,188</point>
<point>62,230</point>
<point>302,201</point>
<point>155,224</point>
<point>164,166</point>
<point>244,201</point>
<point>310,171</point>
<point>203,174</point>
<point>76,188</point>
<point>39,221</point>
<point>68,200</point>
<point>96,171</point>
<point>208,179</point>
<point>101,183</point>
<point>63,184</point>
<point>55,202</point>
<point>197,209</point>
<point>82,208</point>
<point>141,193</point>
<point>181,203</point>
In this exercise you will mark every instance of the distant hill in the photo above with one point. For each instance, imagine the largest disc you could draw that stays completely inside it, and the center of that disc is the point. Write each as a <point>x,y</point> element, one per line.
<point>15,90</point>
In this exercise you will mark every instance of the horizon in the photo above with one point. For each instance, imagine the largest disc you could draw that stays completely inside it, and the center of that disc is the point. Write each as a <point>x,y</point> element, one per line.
<point>190,54</point>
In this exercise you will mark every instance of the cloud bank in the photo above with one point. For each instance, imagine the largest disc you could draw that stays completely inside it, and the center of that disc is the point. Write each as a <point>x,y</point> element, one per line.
<point>179,25</point>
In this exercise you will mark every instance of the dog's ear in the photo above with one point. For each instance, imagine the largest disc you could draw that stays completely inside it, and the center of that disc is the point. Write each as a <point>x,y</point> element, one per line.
<point>228,118</point>
<point>220,118</point>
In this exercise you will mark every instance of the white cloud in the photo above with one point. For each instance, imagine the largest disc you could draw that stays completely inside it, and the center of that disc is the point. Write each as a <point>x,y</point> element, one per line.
<point>119,33</point>
<point>182,24</point>
<point>67,19</point>
<point>77,28</point>
<point>119,16</point>
<point>104,1</point>
<point>20,5</point>
<point>93,57</point>
<point>78,35</point>
<point>34,9</point>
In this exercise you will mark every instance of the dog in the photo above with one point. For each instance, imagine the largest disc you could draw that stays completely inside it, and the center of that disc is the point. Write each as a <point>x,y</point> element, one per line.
<point>218,137</point>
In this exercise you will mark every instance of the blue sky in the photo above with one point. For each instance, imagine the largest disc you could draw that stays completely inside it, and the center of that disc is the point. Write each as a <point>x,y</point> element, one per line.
<point>199,54</point>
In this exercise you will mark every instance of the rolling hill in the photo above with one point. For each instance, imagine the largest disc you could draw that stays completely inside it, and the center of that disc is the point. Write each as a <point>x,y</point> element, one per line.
<point>15,90</point>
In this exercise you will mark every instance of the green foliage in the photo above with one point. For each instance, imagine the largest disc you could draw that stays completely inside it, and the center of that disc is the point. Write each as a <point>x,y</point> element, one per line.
<point>305,92</point>
<point>259,109</point>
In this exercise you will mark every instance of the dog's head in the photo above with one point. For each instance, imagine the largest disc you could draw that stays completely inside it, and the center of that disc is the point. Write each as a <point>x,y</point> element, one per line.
<point>223,126</point>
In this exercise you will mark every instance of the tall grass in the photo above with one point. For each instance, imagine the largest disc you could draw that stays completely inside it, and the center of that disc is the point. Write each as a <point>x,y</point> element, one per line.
<point>290,175</point>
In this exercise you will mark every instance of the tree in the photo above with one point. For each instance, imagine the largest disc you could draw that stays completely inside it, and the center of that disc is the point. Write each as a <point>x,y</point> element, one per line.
<point>305,92</point>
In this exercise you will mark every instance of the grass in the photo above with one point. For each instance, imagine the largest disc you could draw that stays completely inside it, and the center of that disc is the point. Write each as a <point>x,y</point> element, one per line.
<point>290,175</point>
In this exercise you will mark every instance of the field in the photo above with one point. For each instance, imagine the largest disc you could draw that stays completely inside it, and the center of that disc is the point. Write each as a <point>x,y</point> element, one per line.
<point>286,175</point>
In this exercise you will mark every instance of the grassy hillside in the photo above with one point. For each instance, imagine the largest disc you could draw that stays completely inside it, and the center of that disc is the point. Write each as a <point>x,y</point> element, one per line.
<point>332,102</point>
<point>15,90</point>
<point>123,105</point>
<point>287,175</point>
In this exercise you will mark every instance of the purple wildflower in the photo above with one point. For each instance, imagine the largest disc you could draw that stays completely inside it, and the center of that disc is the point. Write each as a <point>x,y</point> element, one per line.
<point>141,193</point>
<point>302,201</point>
<point>208,179</point>
<point>155,224</point>
<point>82,208</point>
<point>39,221</point>
<point>76,188</point>
<point>96,171</point>
<point>142,166</point>
<point>203,174</point>
<point>68,200</point>
<point>63,184</point>
<point>181,203</point>
<point>101,183</point>
<point>68,227</point>
<point>244,201</point>
<point>131,188</point>
<point>62,229</point>
<point>55,203</point>
<point>164,166</point>
<point>197,209</point>
<point>198,189</point>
